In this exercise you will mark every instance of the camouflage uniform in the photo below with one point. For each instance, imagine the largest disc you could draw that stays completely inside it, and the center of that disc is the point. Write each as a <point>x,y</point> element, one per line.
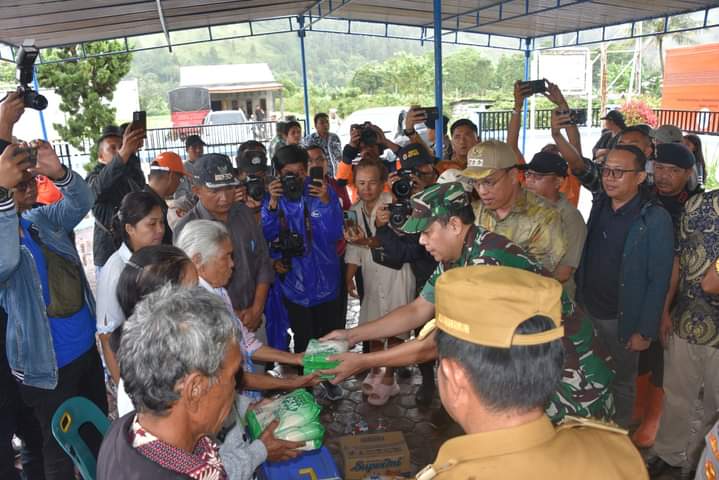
<point>583,391</point>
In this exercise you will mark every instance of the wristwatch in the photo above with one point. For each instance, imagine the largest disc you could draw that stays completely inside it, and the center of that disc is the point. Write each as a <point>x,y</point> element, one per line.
<point>408,132</point>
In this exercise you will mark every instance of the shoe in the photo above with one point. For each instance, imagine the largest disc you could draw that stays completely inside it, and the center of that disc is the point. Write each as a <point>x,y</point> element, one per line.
<point>658,467</point>
<point>331,392</point>
<point>425,394</point>
<point>382,393</point>
<point>643,437</point>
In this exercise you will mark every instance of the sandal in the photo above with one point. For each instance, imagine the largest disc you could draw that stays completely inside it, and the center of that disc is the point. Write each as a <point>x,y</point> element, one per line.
<point>382,393</point>
<point>371,380</point>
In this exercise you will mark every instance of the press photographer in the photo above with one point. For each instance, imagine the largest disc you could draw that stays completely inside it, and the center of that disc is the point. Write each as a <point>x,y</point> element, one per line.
<point>302,220</point>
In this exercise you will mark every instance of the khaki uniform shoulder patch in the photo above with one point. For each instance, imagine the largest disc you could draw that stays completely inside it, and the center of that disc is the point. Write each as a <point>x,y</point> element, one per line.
<point>577,422</point>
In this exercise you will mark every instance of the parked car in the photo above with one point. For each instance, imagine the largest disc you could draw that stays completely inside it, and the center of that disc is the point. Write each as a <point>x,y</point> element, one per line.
<point>226,126</point>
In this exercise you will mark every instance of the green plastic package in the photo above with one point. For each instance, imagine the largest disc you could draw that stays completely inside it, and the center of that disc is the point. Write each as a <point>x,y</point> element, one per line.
<point>315,357</point>
<point>298,416</point>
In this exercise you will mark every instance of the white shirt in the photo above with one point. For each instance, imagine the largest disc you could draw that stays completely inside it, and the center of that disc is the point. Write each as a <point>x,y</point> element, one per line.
<point>109,313</point>
<point>385,289</point>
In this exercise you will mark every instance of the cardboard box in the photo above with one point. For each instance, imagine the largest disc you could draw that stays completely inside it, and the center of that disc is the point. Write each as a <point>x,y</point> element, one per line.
<point>368,454</point>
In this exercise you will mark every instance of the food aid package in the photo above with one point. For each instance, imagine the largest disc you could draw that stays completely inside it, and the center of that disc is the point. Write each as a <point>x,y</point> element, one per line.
<point>315,357</point>
<point>298,417</point>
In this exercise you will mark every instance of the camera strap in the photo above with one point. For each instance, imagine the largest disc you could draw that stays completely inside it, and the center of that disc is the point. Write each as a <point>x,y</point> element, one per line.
<point>285,228</point>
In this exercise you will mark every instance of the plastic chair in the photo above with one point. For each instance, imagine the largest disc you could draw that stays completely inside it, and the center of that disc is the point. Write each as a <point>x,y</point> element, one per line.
<point>66,422</point>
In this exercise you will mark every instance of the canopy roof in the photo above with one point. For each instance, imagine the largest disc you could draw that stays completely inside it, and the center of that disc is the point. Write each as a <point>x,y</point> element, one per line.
<point>54,23</point>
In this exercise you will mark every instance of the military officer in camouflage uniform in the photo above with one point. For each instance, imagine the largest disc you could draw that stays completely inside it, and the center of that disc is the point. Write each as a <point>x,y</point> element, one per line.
<point>498,367</point>
<point>443,215</point>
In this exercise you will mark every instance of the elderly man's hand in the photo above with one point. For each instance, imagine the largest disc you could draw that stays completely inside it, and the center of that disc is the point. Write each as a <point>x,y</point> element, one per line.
<point>251,318</point>
<point>278,450</point>
<point>350,364</point>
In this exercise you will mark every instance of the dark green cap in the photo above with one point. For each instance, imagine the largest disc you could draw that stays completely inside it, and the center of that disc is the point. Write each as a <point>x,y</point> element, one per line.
<point>441,200</point>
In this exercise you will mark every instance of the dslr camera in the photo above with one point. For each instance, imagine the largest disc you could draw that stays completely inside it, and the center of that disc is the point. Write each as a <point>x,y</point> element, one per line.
<point>367,135</point>
<point>399,212</point>
<point>292,187</point>
<point>289,244</point>
<point>402,188</point>
<point>255,187</point>
<point>25,61</point>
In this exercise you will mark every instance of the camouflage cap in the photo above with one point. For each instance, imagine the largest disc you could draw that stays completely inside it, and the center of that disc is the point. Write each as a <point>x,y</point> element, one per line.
<point>436,201</point>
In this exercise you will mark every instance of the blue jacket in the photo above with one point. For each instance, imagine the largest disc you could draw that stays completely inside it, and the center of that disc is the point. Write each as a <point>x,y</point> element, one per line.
<point>647,261</point>
<point>315,277</point>
<point>29,344</point>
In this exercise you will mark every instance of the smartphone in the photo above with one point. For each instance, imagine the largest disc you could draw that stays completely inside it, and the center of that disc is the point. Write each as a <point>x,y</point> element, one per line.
<point>577,116</point>
<point>350,217</point>
<point>31,154</point>
<point>317,174</point>
<point>534,86</point>
<point>430,112</point>
<point>139,120</point>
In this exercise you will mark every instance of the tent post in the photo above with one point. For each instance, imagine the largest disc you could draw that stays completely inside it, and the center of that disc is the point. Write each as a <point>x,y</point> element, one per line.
<point>527,55</point>
<point>439,137</point>
<point>301,33</point>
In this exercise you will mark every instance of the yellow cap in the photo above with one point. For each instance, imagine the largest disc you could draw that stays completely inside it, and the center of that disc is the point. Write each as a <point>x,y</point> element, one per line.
<point>485,304</point>
<point>487,157</point>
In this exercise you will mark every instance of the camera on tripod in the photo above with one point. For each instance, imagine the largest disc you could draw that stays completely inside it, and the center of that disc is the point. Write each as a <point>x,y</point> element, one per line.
<point>25,61</point>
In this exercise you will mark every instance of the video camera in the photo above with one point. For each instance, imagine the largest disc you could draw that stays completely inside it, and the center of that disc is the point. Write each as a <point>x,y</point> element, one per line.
<point>402,188</point>
<point>399,212</point>
<point>25,61</point>
<point>289,244</point>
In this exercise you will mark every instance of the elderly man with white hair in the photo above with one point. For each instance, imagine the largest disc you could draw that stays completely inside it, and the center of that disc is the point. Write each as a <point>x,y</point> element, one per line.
<point>208,244</point>
<point>180,361</point>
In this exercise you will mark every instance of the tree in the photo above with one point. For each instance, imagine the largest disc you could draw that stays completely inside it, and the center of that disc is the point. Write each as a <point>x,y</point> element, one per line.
<point>86,87</point>
<point>509,69</point>
<point>467,72</point>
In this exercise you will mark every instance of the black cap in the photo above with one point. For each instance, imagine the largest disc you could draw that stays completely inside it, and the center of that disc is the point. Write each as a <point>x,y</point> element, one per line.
<point>252,161</point>
<point>615,116</point>
<point>413,155</point>
<point>251,145</point>
<point>464,122</point>
<point>674,154</point>
<point>110,131</point>
<point>547,162</point>
<point>214,170</point>
<point>193,140</point>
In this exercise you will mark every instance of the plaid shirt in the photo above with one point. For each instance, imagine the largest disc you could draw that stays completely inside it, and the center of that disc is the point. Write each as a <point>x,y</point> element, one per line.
<point>331,146</point>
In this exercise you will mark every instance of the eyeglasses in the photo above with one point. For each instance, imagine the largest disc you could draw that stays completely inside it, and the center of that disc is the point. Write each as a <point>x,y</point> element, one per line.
<point>490,183</point>
<point>615,173</point>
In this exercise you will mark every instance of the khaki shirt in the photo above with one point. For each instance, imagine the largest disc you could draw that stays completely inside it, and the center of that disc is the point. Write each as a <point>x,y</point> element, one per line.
<point>533,224</point>
<point>575,233</point>
<point>537,450</point>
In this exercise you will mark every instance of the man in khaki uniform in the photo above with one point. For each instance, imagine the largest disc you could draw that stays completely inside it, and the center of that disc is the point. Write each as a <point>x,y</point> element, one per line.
<point>498,367</point>
<point>506,208</point>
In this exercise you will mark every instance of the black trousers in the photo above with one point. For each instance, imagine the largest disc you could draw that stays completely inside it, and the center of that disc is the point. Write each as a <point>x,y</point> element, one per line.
<point>313,322</point>
<point>82,377</point>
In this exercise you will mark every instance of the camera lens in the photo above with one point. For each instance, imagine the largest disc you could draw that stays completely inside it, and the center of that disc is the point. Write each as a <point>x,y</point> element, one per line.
<point>402,188</point>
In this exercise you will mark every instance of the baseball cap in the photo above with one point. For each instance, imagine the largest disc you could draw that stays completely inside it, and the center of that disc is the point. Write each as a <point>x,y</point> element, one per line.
<point>214,170</point>
<point>455,175</point>
<point>193,140</point>
<point>674,154</point>
<point>250,145</point>
<point>413,155</point>
<point>110,131</point>
<point>487,157</point>
<point>547,162</point>
<point>508,296</point>
<point>168,162</point>
<point>667,134</point>
<point>615,116</point>
<point>435,201</point>
<point>252,161</point>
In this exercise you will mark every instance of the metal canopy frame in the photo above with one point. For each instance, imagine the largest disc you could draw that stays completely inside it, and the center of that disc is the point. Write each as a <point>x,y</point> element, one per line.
<point>490,25</point>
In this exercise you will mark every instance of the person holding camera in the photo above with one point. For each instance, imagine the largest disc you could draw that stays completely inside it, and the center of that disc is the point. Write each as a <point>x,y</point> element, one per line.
<point>387,284</point>
<point>50,334</point>
<point>116,174</point>
<point>302,221</point>
<point>215,184</point>
<point>252,174</point>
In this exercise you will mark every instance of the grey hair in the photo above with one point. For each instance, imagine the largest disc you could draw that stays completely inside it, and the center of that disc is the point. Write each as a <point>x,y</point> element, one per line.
<point>202,238</point>
<point>172,333</point>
